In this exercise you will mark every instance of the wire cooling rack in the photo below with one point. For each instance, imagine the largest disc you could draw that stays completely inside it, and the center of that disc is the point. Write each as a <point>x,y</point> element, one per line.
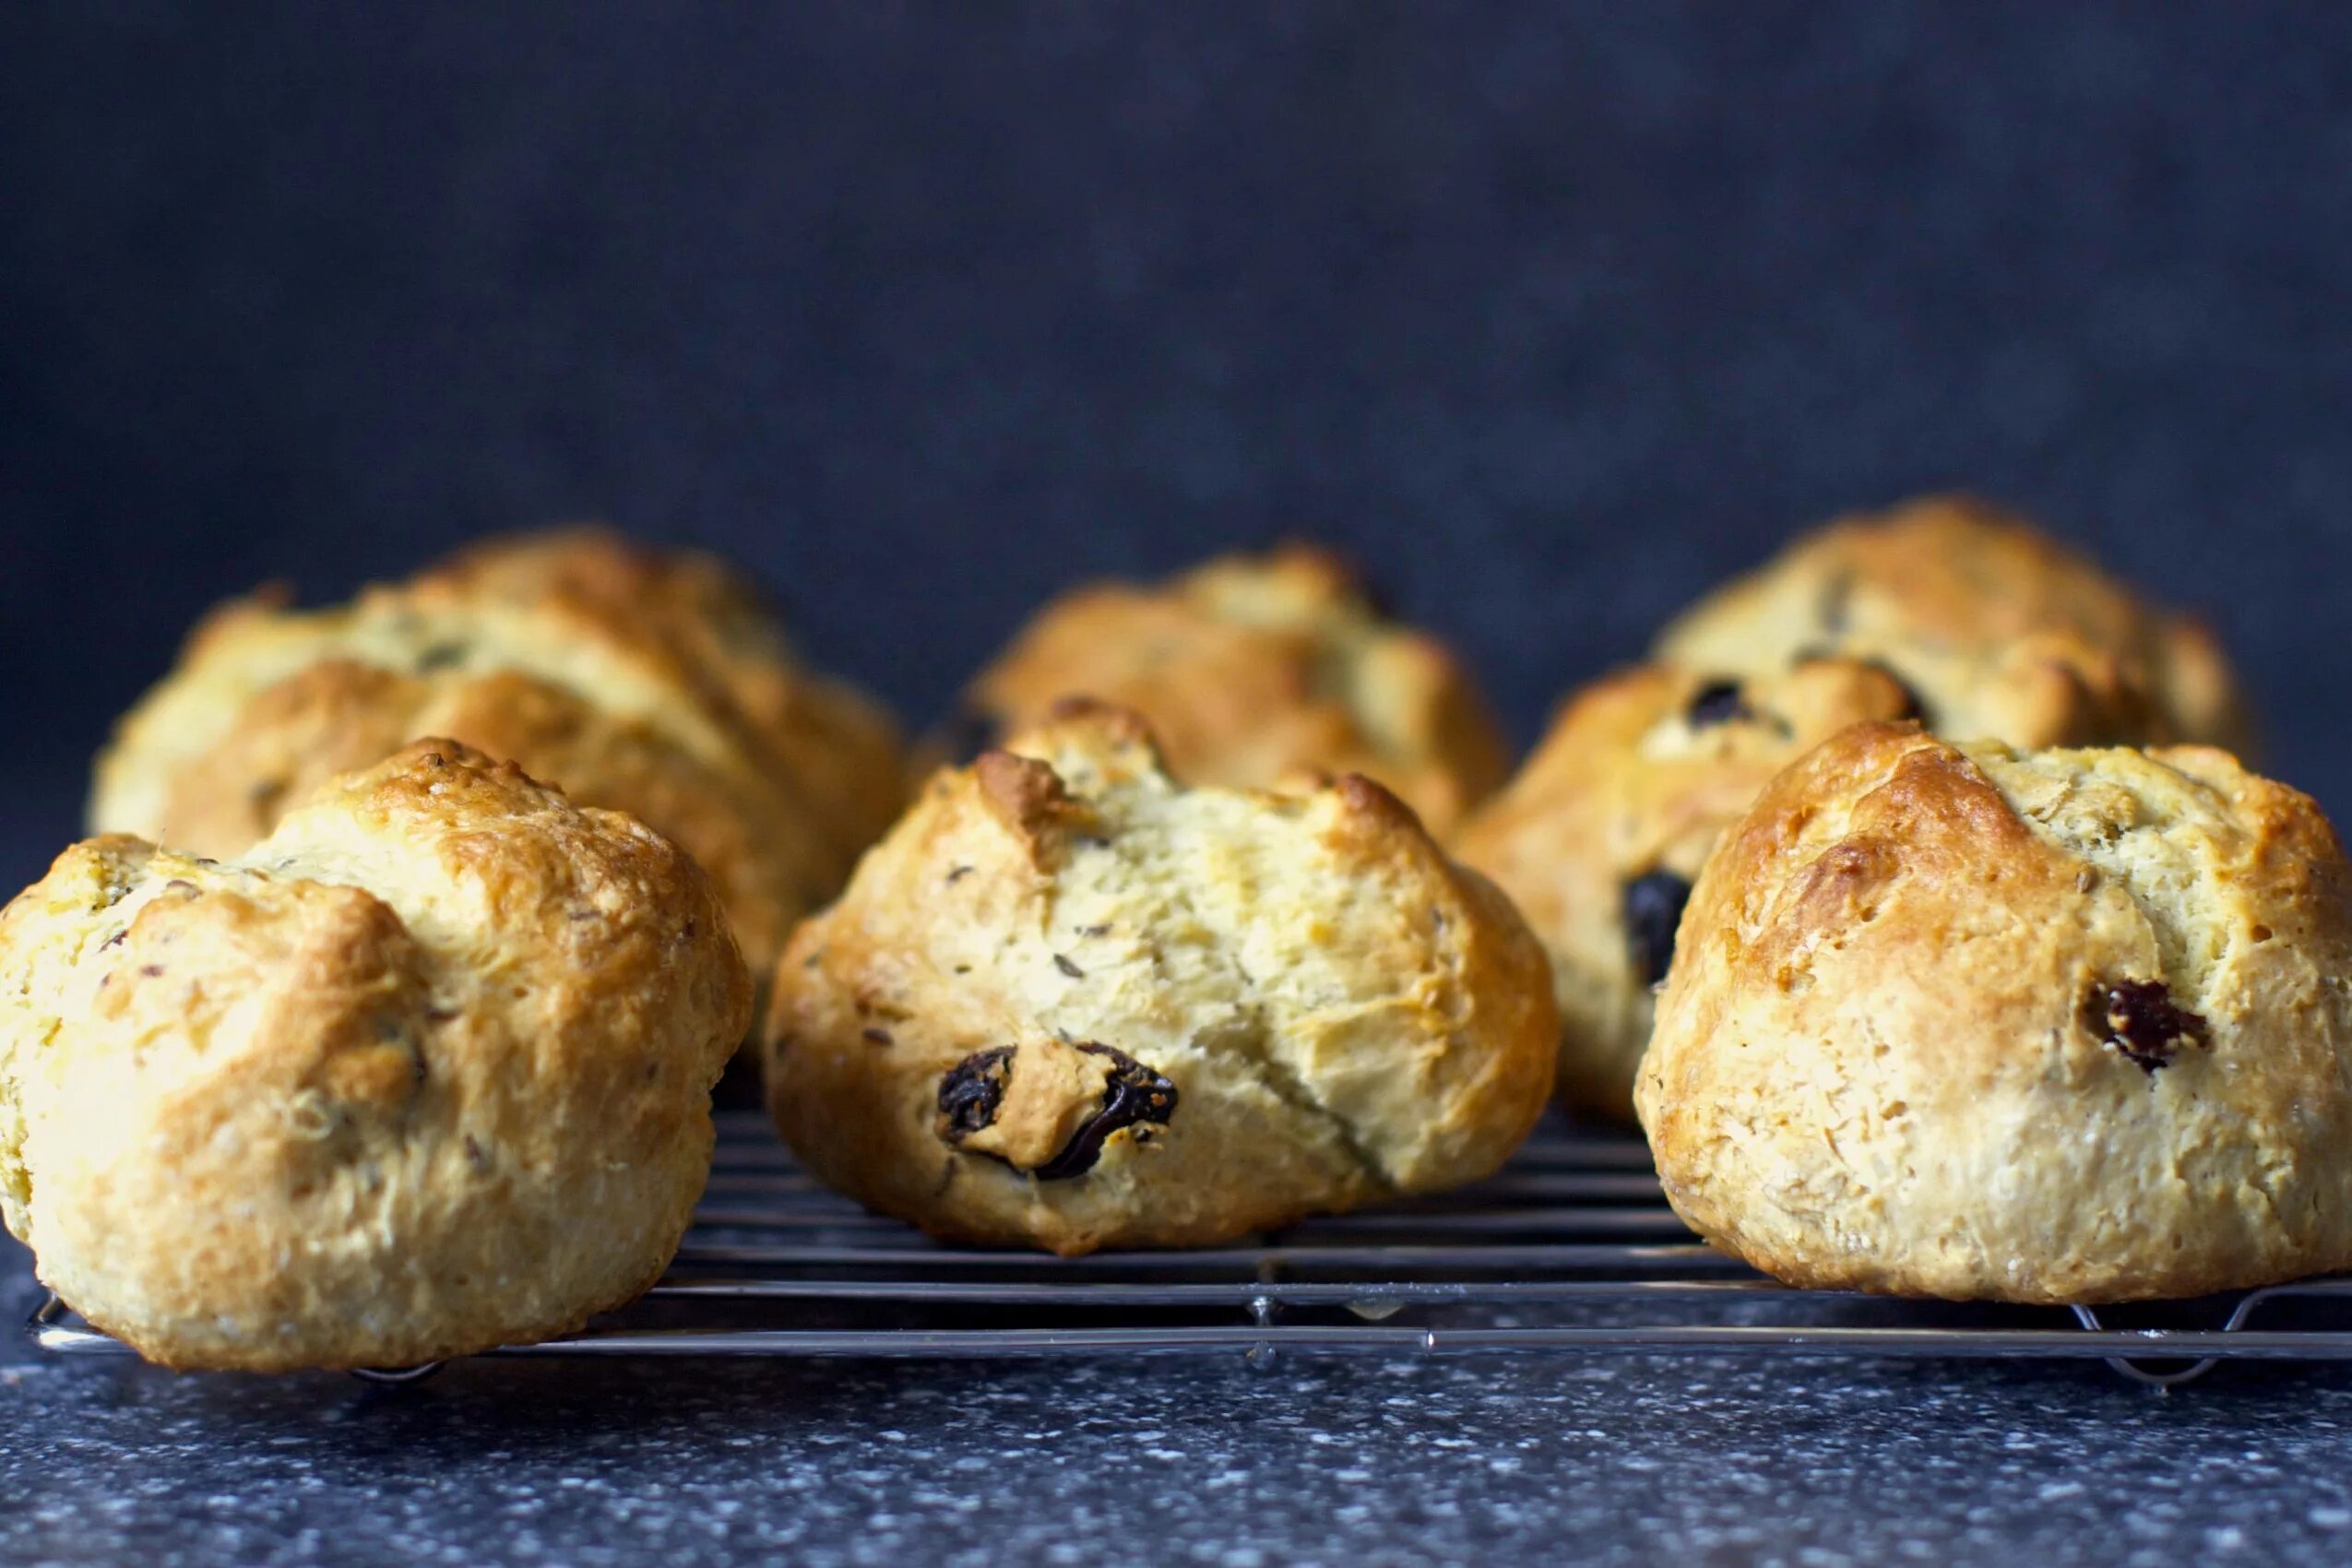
<point>1571,1249</point>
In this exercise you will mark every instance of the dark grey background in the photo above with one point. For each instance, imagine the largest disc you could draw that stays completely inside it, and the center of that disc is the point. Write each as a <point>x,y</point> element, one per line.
<point>1552,314</point>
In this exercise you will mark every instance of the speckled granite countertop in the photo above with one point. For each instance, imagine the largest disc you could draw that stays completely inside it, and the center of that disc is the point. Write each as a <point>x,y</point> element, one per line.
<point>1608,1460</point>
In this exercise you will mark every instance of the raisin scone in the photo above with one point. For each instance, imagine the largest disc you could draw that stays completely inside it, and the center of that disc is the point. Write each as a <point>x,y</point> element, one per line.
<point>1600,836</point>
<point>1070,1003</point>
<point>1250,670</point>
<point>424,1072</point>
<point>2066,1026</point>
<point>2000,632</point>
<point>650,683</point>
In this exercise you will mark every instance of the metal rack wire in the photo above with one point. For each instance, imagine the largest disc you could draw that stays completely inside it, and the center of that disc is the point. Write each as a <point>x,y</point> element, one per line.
<point>1571,1249</point>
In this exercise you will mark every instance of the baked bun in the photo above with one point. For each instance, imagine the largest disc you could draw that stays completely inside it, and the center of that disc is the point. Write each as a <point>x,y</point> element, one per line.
<point>426,1070</point>
<point>652,683</point>
<point>1599,838</point>
<point>1250,668</point>
<point>1069,1002</point>
<point>2000,632</point>
<point>2060,1026</point>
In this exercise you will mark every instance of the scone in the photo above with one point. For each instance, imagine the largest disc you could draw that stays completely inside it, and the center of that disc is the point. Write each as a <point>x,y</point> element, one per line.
<point>2000,632</point>
<point>1070,1003</point>
<point>424,1072</point>
<point>2059,1027</point>
<point>1250,670</point>
<point>1943,610</point>
<point>648,682</point>
<point>1600,836</point>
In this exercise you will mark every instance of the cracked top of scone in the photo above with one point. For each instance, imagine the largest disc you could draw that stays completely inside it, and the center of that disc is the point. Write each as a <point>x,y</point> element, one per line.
<point>654,683</point>
<point>2003,632</point>
<point>1250,669</point>
<point>426,1069</point>
<point>1599,838</point>
<point>2069,1026</point>
<point>1069,1001</point>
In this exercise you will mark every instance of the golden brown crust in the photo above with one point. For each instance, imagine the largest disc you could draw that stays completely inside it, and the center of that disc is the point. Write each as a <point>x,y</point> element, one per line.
<point>2003,632</point>
<point>836,745</point>
<point>654,683</point>
<point>1157,1016</point>
<point>1599,838</point>
<point>2059,1027</point>
<point>426,1070</point>
<point>1250,670</point>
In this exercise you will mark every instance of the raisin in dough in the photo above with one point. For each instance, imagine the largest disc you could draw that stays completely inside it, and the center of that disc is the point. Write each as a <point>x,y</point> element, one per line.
<point>1252,669</point>
<point>2001,633</point>
<point>424,1072</point>
<point>1599,838</point>
<point>1070,1003</point>
<point>2059,1027</point>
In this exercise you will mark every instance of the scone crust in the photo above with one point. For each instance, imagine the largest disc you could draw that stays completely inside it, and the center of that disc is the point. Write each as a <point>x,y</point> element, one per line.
<point>424,1072</point>
<point>1253,668</point>
<point>1639,775</point>
<point>646,682</point>
<point>838,747</point>
<point>1889,1056</point>
<point>1339,1011</point>
<point>2003,633</point>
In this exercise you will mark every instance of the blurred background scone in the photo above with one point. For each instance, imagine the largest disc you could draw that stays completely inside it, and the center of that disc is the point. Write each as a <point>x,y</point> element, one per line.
<point>1252,669</point>
<point>1071,1002</point>
<point>426,1070</point>
<point>2057,1027</point>
<point>1599,838</point>
<point>2003,632</point>
<point>656,684</point>
<point>838,748</point>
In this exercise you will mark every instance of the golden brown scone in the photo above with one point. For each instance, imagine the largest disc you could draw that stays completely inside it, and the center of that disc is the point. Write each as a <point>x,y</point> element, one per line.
<point>2056,1026</point>
<point>1253,668</point>
<point>1600,836</point>
<point>836,745</point>
<point>1069,1002</point>
<point>426,1070</point>
<point>2003,632</point>
<point>654,683</point>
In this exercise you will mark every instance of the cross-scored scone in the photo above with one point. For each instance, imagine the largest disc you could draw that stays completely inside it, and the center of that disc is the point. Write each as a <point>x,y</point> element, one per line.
<point>426,1070</point>
<point>1070,1003</point>
<point>1599,838</point>
<point>652,683</point>
<point>1250,668</point>
<point>2000,632</point>
<point>2057,1027</point>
